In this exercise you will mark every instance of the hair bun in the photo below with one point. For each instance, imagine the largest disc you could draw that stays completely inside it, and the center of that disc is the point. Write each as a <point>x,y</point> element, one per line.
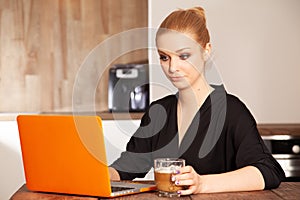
<point>191,20</point>
<point>198,11</point>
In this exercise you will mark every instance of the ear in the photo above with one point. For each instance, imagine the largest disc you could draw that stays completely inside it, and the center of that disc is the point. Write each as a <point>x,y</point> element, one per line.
<point>207,51</point>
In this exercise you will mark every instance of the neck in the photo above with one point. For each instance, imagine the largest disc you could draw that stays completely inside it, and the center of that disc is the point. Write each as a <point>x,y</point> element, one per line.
<point>195,95</point>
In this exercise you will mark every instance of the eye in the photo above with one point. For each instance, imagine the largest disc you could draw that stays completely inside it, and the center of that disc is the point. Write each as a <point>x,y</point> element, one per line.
<point>184,56</point>
<point>163,57</point>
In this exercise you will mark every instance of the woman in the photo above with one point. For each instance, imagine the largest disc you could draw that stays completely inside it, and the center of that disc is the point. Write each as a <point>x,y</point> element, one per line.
<point>212,130</point>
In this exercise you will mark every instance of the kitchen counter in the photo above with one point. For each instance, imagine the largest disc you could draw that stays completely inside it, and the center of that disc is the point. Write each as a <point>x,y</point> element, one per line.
<point>264,129</point>
<point>105,115</point>
<point>279,129</point>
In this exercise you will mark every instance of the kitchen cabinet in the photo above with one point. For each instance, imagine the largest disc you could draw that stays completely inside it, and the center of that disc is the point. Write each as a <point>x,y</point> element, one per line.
<point>45,43</point>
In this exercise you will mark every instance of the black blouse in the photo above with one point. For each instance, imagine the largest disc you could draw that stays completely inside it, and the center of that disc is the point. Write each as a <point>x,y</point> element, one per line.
<point>222,137</point>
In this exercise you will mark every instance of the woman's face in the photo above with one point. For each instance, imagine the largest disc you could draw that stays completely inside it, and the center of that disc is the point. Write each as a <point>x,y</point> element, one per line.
<point>181,58</point>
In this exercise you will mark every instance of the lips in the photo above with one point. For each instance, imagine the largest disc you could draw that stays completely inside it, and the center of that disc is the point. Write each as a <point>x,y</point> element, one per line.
<point>176,78</point>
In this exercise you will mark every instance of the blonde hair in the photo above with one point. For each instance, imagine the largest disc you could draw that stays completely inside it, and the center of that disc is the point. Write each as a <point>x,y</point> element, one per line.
<point>192,21</point>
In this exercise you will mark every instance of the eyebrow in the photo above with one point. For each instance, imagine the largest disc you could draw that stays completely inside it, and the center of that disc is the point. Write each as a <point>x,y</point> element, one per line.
<point>177,51</point>
<point>183,49</point>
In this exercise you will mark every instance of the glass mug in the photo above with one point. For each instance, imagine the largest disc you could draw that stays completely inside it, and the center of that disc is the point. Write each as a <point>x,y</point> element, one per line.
<point>164,168</point>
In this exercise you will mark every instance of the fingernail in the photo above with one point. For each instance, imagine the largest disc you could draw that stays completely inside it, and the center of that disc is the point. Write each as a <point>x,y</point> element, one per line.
<point>177,172</point>
<point>173,178</point>
<point>176,182</point>
<point>178,192</point>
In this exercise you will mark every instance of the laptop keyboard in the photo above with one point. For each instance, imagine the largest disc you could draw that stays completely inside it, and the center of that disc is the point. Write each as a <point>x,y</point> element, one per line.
<point>117,189</point>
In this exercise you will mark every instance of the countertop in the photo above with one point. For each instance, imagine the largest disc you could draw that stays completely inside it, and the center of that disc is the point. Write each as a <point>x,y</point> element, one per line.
<point>265,129</point>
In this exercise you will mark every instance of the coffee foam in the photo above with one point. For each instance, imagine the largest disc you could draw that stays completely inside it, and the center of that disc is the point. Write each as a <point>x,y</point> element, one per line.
<point>167,170</point>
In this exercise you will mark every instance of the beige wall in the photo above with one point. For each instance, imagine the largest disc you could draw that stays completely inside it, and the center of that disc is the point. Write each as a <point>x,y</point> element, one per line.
<point>256,49</point>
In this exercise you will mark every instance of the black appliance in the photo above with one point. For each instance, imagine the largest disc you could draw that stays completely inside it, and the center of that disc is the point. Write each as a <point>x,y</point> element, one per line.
<point>286,150</point>
<point>128,88</point>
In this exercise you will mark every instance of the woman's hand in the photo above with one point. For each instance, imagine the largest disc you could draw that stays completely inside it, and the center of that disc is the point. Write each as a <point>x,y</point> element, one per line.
<point>224,182</point>
<point>188,178</point>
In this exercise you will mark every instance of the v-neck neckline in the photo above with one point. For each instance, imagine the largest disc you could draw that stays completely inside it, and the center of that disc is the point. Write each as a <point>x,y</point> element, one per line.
<point>202,108</point>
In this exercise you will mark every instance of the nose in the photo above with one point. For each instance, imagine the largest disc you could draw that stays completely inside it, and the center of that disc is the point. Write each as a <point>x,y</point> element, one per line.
<point>173,65</point>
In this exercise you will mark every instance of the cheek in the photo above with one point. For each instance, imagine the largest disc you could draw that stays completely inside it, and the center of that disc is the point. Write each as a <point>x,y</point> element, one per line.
<point>198,64</point>
<point>164,66</point>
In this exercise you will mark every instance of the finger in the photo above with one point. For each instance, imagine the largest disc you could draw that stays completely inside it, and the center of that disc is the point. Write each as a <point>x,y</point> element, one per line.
<point>187,182</point>
<point>184,176</point>
<point>186,169</point>
<point>189,191</point>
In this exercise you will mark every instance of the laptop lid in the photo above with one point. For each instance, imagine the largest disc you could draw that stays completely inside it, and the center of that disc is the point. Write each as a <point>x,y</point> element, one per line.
<point>66,154</point>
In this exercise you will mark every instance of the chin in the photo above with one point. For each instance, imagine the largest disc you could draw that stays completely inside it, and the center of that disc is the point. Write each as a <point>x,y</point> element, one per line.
<point>181,86</point>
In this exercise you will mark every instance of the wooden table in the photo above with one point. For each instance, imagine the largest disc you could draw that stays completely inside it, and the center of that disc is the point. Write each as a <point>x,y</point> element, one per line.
<point>287,190</point>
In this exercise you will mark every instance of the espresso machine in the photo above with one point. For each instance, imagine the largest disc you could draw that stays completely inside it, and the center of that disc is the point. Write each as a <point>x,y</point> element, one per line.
<point>128,88</point>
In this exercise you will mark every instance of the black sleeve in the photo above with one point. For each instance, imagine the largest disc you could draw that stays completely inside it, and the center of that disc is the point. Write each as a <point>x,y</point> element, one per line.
<point>250,147</point>
<point>137,160</point>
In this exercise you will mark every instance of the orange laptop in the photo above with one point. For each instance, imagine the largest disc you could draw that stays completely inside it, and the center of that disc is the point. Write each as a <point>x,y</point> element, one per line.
<point>66,154</point>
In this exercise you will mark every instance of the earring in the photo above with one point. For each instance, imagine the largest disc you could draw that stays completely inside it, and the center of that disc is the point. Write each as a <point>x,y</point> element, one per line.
<point>206,55</point>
